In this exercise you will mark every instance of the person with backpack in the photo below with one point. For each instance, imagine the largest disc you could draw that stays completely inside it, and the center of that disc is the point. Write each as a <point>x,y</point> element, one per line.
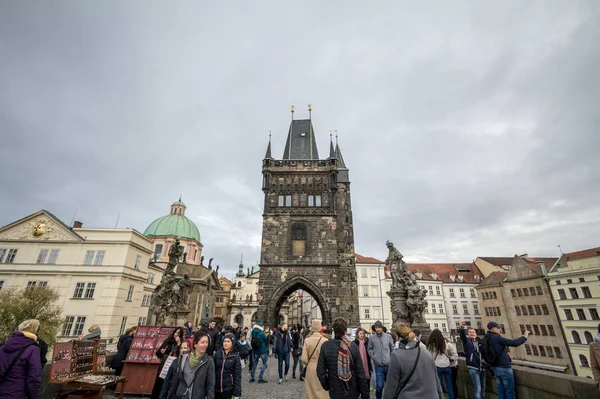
<point>20,365</point>
<point>412,372</point>
<point>259,347</point>
<point>243,348</point>
<point>493,351</point>
<point>298,344</point>
<point>340,368</point>
<point>282,344</point>
<point>474,361</point>
<point>444,355</point>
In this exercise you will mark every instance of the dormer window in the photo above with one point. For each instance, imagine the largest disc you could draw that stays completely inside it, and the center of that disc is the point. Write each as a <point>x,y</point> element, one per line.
<point>461,278</point>
<point>419,275</point>
<point>435,276</point>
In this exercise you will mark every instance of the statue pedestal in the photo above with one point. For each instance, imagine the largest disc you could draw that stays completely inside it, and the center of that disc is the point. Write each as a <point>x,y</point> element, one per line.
<point>425,329</point>
<point>399,308</point>
<point>181,317</point>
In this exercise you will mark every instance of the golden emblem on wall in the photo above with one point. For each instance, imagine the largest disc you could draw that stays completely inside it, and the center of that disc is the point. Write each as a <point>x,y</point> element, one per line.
<point>39,229</point>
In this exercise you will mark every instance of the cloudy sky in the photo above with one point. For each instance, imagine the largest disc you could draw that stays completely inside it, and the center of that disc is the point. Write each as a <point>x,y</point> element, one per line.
<point>469,129</point>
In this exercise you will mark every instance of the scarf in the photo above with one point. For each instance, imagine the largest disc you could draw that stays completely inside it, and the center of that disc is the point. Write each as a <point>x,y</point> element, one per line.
<point>597,339</point>
<point>195,360</point>
<point>363,354</point>
<point>344,360</point>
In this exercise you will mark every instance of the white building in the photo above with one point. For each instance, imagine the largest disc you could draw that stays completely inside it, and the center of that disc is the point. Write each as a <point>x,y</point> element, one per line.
<point>373,302</point>
<point>101,274</point>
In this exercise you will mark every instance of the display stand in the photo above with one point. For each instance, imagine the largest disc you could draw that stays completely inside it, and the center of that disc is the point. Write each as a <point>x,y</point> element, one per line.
<point>141,364</point>
<point>79,368</point>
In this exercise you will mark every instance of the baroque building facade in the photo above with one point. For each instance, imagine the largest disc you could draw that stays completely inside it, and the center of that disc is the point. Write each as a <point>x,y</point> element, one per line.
<point>101,274</point>
<point>307,235</point>
<point>163,232</point>
<point>574,282</point>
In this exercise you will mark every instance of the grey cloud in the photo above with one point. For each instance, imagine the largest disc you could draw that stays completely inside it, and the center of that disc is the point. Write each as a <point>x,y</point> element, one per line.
<point>469,130</point>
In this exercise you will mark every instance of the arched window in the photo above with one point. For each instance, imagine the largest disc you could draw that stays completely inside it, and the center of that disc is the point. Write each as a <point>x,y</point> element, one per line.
<point>576,338</point>
<point>298,239</point>
<point>583,360</point>
<point>239,284</point>
<point>588,337</point>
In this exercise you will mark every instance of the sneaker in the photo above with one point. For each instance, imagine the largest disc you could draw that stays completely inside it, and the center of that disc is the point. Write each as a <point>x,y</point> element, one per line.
<point>285,378</point>
<point>262,381</point>
<point>280,380</point>
<point>294,376</point>
<point>252,380</point>
<point>301,379</point>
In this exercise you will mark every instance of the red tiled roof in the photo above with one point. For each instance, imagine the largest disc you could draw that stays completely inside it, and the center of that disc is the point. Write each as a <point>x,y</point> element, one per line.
<point>585,253</point>
<point>366,259</point>
<point>494,278</point>
<point>444,271</point>
<point>497,261</point>
<point>535,263</point>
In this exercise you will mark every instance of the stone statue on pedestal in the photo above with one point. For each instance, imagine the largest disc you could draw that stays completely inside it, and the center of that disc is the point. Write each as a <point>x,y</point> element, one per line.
<point>172,296</point>
<point>407,299</point>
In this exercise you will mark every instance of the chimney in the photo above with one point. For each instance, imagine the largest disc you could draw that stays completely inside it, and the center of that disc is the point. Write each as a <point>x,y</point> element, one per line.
<point>77,224</point>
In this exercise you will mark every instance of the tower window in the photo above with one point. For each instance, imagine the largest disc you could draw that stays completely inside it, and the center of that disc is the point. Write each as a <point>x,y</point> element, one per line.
<point>281,200</point>
<point>298,239</point>
<point>288,200</point>
<point>317,200</point>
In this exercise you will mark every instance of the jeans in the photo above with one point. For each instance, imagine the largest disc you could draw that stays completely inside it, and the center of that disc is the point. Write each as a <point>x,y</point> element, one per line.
<point>506,382</point>
<point>445,375</point>
<point>478,378</point>
<point>296,361</point>
<point>283,357</point>
<point>381,372</point>
<point>264,358</point>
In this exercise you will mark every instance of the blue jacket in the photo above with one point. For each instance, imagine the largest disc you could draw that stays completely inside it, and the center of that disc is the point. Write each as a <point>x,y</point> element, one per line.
<point>228,372</point>
<point>499,344</point>
<point>262,337</point>
<point>282,345</point>
<point>472,352</point>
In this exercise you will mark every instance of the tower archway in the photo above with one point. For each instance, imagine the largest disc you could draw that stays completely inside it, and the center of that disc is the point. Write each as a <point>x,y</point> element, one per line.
<point>275,302</point>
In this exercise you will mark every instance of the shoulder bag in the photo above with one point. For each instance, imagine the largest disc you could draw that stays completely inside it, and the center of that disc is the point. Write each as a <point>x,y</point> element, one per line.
<point>12,364</point>
<point>303,373</point>
<point>401,387</point>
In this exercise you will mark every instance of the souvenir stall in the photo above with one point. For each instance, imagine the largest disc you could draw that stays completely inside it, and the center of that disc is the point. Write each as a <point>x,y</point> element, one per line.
<point>79,369</point>
<point>141,365</point>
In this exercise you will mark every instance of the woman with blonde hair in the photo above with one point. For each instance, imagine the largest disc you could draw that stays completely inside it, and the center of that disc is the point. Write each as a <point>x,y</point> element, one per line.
<point>310,358</point>
<point>20,363</point>
<point>412,372</point>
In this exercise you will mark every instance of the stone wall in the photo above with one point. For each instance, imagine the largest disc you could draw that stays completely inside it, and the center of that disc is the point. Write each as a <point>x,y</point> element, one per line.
<point>532,384</point>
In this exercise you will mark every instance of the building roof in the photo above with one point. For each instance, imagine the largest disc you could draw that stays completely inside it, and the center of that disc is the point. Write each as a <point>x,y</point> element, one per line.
<point>494,278</point>
<point>585,253</point>
<point>497,261</point>
<point>366,259</point>
<point>173,224</point>
<point>448,272</point>
<point>301,143</point>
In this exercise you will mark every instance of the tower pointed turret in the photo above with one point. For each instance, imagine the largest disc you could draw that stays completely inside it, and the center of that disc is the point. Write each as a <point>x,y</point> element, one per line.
<point>268,154</point>
<point>301,143</point>
<point>240,272</point>
<point>343,173</point>
<point>331,147</point>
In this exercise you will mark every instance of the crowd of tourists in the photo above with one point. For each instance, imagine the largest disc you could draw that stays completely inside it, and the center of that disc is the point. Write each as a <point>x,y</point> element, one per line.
<point>207,362</point>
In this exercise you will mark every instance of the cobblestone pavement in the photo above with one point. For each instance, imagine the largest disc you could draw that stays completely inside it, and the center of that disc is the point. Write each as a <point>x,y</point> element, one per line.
<point>292,389</point>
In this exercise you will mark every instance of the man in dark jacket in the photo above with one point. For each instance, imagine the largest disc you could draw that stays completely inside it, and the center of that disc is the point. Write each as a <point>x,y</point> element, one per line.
<point>213,334</point>
<point>474,361</point>
<point>283,346</point>
<point>260,353</point>
<point>340,369</point>
<point>502,367</point>
<point>24,379</point>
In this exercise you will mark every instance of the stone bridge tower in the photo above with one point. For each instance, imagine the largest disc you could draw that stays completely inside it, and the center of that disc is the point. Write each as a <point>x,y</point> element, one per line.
<point>307,236</point>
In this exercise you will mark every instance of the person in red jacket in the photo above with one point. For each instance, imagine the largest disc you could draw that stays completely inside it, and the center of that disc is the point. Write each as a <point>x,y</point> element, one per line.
<point>20,365</point>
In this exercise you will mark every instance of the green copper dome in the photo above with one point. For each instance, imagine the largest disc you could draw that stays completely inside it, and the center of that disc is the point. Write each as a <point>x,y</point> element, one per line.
<point>174,224</point>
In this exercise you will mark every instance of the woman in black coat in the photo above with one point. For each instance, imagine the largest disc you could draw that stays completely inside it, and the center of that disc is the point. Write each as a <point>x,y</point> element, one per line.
<point>170,347</point>
<point>362,343</point>
<point>122,348</point>
<point>228,370</point>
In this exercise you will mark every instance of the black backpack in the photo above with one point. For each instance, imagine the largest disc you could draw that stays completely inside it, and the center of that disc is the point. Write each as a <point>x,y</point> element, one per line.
<point>255,343</point>
<point>488,353</point>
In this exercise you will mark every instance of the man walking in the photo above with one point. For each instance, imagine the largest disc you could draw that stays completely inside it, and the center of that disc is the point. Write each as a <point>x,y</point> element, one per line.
<point>297,345</point>
<point>473,357</point>
<point>258,343</point>
<point>283,347</point>
<point>380,349</point>
<point>494,350</point>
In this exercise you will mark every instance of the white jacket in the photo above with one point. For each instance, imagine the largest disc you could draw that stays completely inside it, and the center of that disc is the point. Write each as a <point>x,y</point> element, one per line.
<point>447,359</point>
